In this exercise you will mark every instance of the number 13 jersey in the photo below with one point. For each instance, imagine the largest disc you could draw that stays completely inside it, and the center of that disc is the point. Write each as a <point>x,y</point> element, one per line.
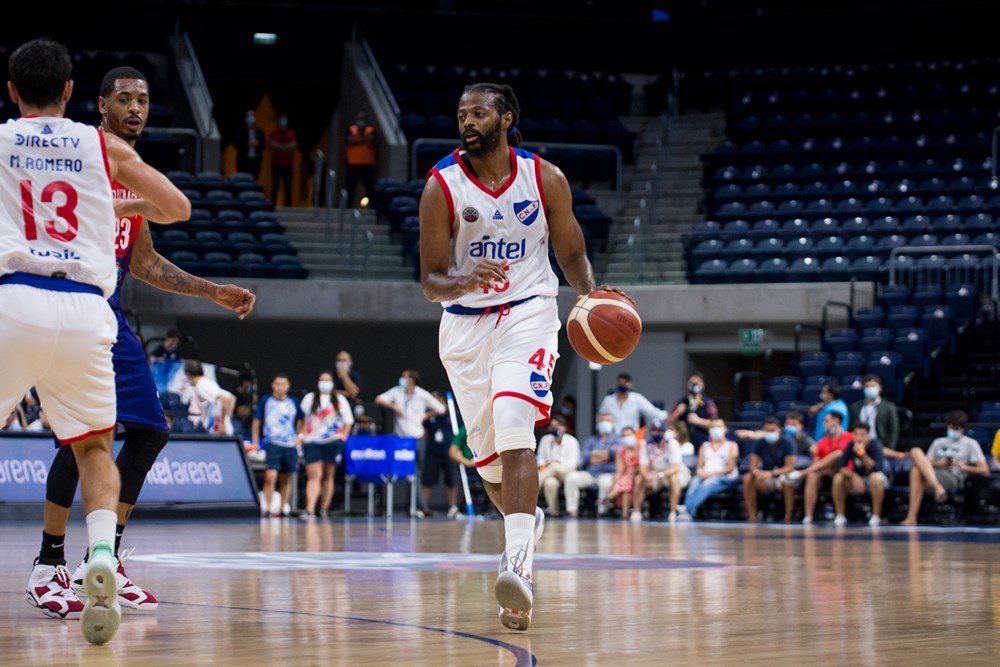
<point>508,226</point>
<point>56,212</point>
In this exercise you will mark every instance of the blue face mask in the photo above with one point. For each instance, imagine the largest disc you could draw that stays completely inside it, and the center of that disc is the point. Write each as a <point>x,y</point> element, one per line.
<point>792,431</point>
<point>656,437</point>
<point>605,427</point>
<point>771,437</point>
<point>557,433</point>
<point>622,389</point>
<point>403,384</point>
<point>871,392</point>
<point>954,434</point>
<point>251,119</point>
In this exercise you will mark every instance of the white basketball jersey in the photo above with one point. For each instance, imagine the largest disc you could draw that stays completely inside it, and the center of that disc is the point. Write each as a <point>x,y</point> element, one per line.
<point>509,226</point>
<point>56,212</point>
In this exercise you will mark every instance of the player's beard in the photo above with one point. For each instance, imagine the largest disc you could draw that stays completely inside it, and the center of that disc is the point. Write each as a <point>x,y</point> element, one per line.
<point>489,142</point>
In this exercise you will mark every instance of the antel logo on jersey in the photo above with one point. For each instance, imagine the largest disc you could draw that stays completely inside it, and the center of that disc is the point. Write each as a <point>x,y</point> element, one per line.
<point>526,211</point>
<point>539,385</point>
<point>490,248</point>
<point>470,214</point>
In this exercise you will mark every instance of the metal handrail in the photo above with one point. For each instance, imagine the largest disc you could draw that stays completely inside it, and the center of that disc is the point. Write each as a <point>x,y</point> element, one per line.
<point>319,158</point>
<point>940,250</point>
<point>383,85</point>
<point>994,182</point>
<point>369,242</point>
<point>835,304</point>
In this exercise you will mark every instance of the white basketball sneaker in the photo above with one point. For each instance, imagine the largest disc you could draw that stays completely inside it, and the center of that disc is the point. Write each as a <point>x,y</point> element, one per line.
<point>101,614</point>
<point>50,591</point>
<point>130,596</point>
<point>513,587</point>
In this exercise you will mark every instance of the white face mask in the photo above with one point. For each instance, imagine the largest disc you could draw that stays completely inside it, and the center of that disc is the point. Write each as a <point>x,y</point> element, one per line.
<point>717,433</point>
<point>403,383</point>
<point>628,440</point>
<point>325,386</point>
<point>605,427</point>
<point>954,434</point>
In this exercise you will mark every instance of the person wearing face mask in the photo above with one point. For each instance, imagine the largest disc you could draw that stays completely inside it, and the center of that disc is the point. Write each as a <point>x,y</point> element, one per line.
<point>826,456</point>
<point>249,144</point>
<point>359,155</point>
<point>795,428</point>
<point>627,406</point>
<point>880,414</point>
<point>829,400</point>
<point>626,485</point>
<point>662,468</point>
<point>859,472</point>
<point>598,459</point>
<point>328,420</point>
<point>771,457</point>
<point>283,142</point>
<point>717,469</point>
<point>411,404</point>
<point>558,455</point>
<point>695,409</point>
<point>945,465</point>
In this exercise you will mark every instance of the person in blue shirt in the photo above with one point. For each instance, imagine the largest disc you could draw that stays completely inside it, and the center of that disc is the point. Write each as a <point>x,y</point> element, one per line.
<point>278,422</point>
<point>772,456</point>
<point>829,399</point>
<point>860,472</point>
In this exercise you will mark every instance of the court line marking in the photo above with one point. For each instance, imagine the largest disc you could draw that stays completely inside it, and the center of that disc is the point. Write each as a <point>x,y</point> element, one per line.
<point>524,657</point>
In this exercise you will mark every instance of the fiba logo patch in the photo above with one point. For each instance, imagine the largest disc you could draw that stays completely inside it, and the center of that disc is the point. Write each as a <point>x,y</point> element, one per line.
<point>470,214</point>
<point>539,385</point>
<point>526,211</point>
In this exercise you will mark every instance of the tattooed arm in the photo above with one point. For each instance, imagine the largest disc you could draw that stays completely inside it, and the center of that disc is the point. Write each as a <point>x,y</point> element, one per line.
<point>153,268</point>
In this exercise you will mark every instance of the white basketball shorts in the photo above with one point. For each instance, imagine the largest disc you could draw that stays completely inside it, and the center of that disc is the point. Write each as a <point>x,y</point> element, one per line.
<point>508,352</point>
<point>59,343</point>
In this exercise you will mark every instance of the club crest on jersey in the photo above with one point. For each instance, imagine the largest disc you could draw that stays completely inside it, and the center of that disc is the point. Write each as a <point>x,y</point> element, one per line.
<point>526,211</point>
<point>470,214</point>
<point>539,385</point>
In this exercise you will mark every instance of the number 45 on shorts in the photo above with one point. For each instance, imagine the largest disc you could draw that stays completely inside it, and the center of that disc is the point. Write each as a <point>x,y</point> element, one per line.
<point>543,361</point>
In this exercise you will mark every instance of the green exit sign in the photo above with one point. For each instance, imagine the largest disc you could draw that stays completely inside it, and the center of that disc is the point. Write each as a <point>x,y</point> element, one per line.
<point>751,340</point>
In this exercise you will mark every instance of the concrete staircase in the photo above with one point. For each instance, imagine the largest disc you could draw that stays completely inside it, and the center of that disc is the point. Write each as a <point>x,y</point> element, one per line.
<point>663,199</point>
<point>345,244</point>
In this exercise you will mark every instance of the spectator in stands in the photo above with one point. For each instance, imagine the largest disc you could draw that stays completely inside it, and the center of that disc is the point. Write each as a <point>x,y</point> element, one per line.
<point>558,455</point>
<point>30,406</point>
<point>348,379</point>
<point>695,409</point>
<point>436,461</point>
<point>461,453</point>
<point>14,422</point>
<point>772,456</point>
<point>328,418</point>
<point>567,410</point>
<point>860,471</point>
<point>880,415</point>
<point>626,482</point>
<point>826,455</point>
<point>246,402</point>
<point>283,142</point>
<point>680,431</point>
<point>249,143</point>
<point>169,347</point>
<point>995,450</point>
<point>359,154</point>
<point>661,467</point>
<point>411,404</point>
<point>364,425</point>
<point>598,459</point>
<point>627,406</point>
<point>210,407</point>
<point>278,424</point>
<point>40,424</point>
<point>829,399</point>
<point>717,470</point>
<point>795,428</point>
<point>945,465</point>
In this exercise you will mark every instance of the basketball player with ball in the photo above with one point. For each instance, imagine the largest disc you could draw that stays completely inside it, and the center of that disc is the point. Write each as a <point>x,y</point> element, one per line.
<point>487,214</point>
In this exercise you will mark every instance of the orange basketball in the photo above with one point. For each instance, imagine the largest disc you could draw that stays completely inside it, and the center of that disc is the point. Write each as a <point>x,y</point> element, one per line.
<point>604,327</point>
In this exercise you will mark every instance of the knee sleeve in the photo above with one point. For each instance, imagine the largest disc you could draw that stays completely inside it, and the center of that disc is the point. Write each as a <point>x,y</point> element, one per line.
<point>513,424</point>
<point>138,454</point>
<point>60,486</point>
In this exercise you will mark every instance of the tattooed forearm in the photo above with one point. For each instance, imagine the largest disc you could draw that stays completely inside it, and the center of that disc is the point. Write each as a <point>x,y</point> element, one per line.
<point>166,276</point>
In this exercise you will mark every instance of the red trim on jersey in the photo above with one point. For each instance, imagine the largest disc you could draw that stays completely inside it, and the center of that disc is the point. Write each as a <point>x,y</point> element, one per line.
<point>78,438</point>
<point>472,177</point>
<point>538,178</point>
<point>542,407</point>
<point>448,200</point>
<point>104,152</point>
<point>488,460</point>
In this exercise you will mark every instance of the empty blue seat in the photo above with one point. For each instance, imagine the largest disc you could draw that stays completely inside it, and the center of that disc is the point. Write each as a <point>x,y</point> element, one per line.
<point>768,247</point>
<point>835,268</point>
<point>894,295</point>
<point>803,269</point>
<point>872,342</point>
<point>900,317</point>
<point>927,295</point>
<point>772,270</point>
<point>816,363</point>
<point>913,345</point>
<point>707,249</point>
<point>867,267</point>
<point>937,321</point>
<point>742,270</point>
<point>711,271</point>
<point>840,340</point>
<point>888,366</point>
<point>782,389</point>
<point>810,393</point>
<point>869,317</point>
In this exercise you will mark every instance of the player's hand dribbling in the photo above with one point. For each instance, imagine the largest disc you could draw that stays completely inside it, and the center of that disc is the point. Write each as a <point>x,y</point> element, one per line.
<point>488,273</point>
<point>616,290</point>
<point>235,298</point>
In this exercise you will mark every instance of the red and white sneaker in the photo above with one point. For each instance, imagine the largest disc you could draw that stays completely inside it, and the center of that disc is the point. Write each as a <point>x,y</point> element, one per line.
<point>513,588</point>
<point>50,591</point>
<point>130,596</point>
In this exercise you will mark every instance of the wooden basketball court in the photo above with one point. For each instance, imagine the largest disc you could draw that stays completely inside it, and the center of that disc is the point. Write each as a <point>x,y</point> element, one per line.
<point>350,592</point>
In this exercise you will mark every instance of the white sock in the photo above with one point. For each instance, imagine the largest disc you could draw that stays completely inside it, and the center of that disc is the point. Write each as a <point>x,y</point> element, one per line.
<point>101,525</point>
<point>520,532</point>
